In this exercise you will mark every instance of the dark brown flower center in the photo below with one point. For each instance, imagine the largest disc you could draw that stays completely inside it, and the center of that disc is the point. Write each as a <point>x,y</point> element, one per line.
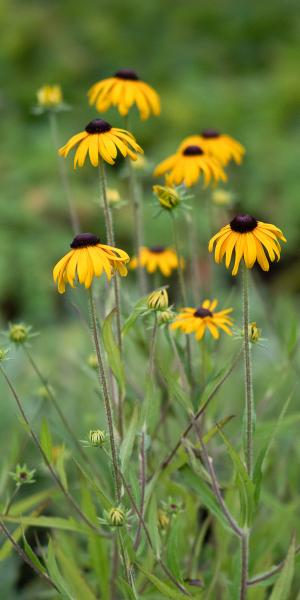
<point>157,249</point>
<point>98,126</point>
<point>243,223</point>
<point>23,475</point>
<point>82,240</point>
<point>202,312</point>
<point>127,74</point>
<point>192,151</point>
<point>210,133</point>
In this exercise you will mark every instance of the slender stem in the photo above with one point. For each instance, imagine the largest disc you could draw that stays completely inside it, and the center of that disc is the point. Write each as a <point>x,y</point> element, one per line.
<point>135,193</point>
<point>107,401</point>
<point>25,558</point>
<point>268,574</point>
<point>55,404</point>
<point>64,174</point>
<point>142,486</point>
<point>44,456</point>
<point>8,507</point>
<point>179,261</point>
<point>111,242</point>
<point>208,461</point>
<point>152,348</point>
<point>179,364</point>
<point>201,410</point>
<point>244,565</point>
<point>193,251</point>
<point>249,409</point>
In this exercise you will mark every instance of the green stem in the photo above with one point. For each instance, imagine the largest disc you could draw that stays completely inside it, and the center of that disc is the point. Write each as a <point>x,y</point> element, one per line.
<point>55,404</point>
<point>179,268</point>
<point>249,409</point>
<point>244,565</point>
<point>111,241</point>
<point>107,401</point>
<point>64,174</point>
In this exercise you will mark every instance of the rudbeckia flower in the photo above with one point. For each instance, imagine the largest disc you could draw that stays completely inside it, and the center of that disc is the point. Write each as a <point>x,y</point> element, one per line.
<point>197,320</point>
<point>249,238</point>
<point>188,164</point>
<point>157,258</point>
<point>123,90</point>
<point>223,147</point>
<point>88,259</point>
<point>100,139</point>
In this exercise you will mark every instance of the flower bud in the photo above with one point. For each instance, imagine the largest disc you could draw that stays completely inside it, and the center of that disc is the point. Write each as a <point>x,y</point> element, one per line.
<point>116,517</point>
<point>158,300</point>
<point>163,518</point>
<point>3,354</point>
<point>18,333</point>
<point>254,332</point>
<point>49,96</point>
<point>92,361</point>
<point>97,437</point>
<point>167,196</point>
<point>113,195</point>
<point>165,316</point>
<point>22,475</point>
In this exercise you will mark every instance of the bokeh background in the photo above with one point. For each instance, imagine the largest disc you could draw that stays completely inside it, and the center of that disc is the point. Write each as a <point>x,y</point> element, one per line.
<point>225,64</point>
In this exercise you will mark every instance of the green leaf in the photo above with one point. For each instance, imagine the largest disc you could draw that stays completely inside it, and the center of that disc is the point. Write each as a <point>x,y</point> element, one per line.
<point>216,428</point>
<point>175,389</point>
<point>153,525</point>
<point>73,576</point>
<point>25,504</point>
<point>56,576</point>
<point>125,589</point>
<point>244,483</point>
<point>46,440</point>
<point>128,441</point>
<point>163,588</point>
<point>175,544</point>
<point>98,550</point>
<point>105,500</point>
<point>50,522</point>
<point>138,309</point>
<point>282,588</point>
<point>113,351</point>
<point>203,492</point>
<point>33,557</point>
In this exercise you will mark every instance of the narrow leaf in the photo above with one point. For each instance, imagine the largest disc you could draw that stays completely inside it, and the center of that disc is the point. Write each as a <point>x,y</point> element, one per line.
<point>163,588</point>
<point>282,588</point>
<point>46,440</point>
<point>113,351</point>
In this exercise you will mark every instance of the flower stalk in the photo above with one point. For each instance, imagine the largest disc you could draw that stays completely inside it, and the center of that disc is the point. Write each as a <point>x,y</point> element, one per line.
<point>106,396</point>
<point>249,409</point>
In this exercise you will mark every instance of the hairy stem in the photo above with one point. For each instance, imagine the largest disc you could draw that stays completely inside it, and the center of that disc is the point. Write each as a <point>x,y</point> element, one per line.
<point>249,409</point>
<point>111,242</point>
<point>64,174</point>
<point>244,565</point>
<point>143,488</point>
<point>107,401</point>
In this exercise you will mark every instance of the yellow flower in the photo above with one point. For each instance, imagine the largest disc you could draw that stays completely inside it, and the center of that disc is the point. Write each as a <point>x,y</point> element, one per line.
<point>157,257</point>
<point>101,139</point>
<point>49,96</point>
<point>123,90</point>
<point>248,237</point>
<point>197,320</point>
<point>222,147</point>
<point>167,196</point>
<point>88,258</point>
<point>158,300</point>
<point>188,165</point>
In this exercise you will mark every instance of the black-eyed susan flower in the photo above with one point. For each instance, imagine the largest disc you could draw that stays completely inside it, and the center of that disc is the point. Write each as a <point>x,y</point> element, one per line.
<point>188,165</point>
<point>101,141</point>
<point>49,96</point>
<point>198,320</point>
<point>157,258</point>
<point>249,239</point>
<point>123,90</point>
<point>88,259</point>
<point>158,300</point>
<point>221,146</point>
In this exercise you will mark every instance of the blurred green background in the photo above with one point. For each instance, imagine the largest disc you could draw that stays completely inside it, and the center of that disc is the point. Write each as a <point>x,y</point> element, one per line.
<point>228,65</point>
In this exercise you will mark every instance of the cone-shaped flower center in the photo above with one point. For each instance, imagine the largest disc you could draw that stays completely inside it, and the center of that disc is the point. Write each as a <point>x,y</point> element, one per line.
<point>210,133</point>
<point>98,126</point>
<point>202,312</point>
<point>192,151</point>
<point>82,240</point>
<point>157,249</point>
<point>243,223</point>
<point>127,74</point>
